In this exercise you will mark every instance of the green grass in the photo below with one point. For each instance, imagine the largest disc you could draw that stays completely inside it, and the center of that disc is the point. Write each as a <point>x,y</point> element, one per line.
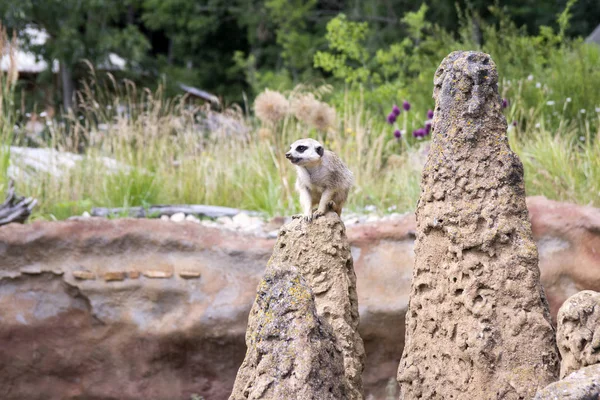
<point>168,161</point>
<point>7,105</point>
<point>561,167</point>
<point>251,172</point>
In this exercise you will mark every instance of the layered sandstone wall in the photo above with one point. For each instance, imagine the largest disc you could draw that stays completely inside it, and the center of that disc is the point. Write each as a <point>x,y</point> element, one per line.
<point>175,324</point>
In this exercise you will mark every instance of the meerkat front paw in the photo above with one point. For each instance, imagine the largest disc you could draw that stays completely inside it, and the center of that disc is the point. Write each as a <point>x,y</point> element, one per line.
<point>331,206</point>
<point>318,214</point>
<point>305,218</point>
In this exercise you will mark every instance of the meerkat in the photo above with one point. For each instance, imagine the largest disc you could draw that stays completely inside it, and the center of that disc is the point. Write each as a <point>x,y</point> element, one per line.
<point>323,179</point>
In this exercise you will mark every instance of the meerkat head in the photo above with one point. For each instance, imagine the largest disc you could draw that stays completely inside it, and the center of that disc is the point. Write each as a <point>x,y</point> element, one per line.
<point>305,152</point>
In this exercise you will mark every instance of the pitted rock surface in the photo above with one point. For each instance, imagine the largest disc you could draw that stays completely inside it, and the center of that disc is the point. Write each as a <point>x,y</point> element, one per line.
<point>583,384</point>
<point>291,353</point>
<point>578,332</point>
<point>320,250</point>
<point>478,324</point>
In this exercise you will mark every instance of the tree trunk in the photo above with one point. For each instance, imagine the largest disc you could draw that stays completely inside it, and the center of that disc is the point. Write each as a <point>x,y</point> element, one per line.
<point>170,52</point>
<point>66,76</point>
<point>130,15</point>
<point>476,24</point>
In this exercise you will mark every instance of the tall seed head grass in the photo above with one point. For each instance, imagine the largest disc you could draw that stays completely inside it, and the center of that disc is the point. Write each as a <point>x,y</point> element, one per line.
<point>322,117</point>
<point>271,106</point>
<point>8,80</point>
<point>302,107</point>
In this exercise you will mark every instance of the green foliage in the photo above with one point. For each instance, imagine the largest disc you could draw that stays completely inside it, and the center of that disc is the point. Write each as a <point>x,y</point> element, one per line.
<point>564,19</point>
<point>76,30</point>
<point>297,43</point>
<point>258,79</point>
<point>348,61</point>
<point>416,24</point>
<point>196,42</point>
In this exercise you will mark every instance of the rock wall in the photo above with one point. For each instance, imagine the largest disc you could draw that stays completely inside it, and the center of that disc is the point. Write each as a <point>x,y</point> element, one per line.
<point>568,241</point>
<point>175,325</point>
<point>478,324</point>
<point>292,353</point>
<point>578,332</point>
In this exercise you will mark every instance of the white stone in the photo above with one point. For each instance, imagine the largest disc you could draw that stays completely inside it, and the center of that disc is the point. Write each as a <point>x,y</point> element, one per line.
<point>241,219</point>
<point>86,214</point>
<point>225,220</point>
<point>373,218</point>
<point>192,218</point>
<point>178,217</point>
<point>26,162</point>
<point>164,218</point>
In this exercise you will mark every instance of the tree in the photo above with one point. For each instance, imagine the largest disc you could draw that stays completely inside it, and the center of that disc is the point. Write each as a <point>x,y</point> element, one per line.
<point>77,30</point>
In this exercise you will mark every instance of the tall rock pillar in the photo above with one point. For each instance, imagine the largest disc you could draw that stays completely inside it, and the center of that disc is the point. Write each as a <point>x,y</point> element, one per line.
<point>478,325</point>
<point>302,336</point>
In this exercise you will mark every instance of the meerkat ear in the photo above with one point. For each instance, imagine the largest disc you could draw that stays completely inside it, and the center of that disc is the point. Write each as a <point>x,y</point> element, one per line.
<point>320,151</point>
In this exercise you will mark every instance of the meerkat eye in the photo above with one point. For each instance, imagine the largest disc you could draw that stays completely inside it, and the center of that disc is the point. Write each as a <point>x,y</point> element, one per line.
<point>300,149</point>
<point>320,151</point>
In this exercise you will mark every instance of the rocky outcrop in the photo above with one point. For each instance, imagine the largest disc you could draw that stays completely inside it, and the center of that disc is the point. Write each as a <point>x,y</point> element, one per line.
<point>123,309</point>
<point>292,353</point>
<point>478,324</point>
<point>578,332</point>
<point>319,253</point>
<point>320,250</point>
<point>83,301</point>
<point>583,384</point>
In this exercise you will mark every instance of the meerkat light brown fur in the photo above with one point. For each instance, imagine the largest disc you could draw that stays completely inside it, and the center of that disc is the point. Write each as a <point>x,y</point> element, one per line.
<point>323,179</point>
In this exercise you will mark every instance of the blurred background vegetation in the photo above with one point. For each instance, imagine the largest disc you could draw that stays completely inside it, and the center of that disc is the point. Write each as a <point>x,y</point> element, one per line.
<point>353,60</point>
<point>231,47</point>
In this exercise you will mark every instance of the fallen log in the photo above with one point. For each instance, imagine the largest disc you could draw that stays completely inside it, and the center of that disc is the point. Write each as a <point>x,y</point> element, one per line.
<point>15,208</point>
<point>159,210</point>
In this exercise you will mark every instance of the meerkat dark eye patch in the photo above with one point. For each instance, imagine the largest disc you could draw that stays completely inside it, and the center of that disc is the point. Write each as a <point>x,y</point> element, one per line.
<point>320,151</point>
<point>301,149</point>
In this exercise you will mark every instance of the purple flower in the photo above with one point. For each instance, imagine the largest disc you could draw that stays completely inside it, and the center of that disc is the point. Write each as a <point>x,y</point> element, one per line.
<point>427,127</point>
<point>429,114</point>
<point>419,133</point>
<point>504,103</point>
<point>406,105</point>
<point>397,133</point>
<point>514,123</point>
<point>391,118</point>
<point>396,110</point>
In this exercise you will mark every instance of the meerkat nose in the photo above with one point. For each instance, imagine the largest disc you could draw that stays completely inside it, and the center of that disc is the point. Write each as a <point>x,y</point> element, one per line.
<point>288,155</point>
